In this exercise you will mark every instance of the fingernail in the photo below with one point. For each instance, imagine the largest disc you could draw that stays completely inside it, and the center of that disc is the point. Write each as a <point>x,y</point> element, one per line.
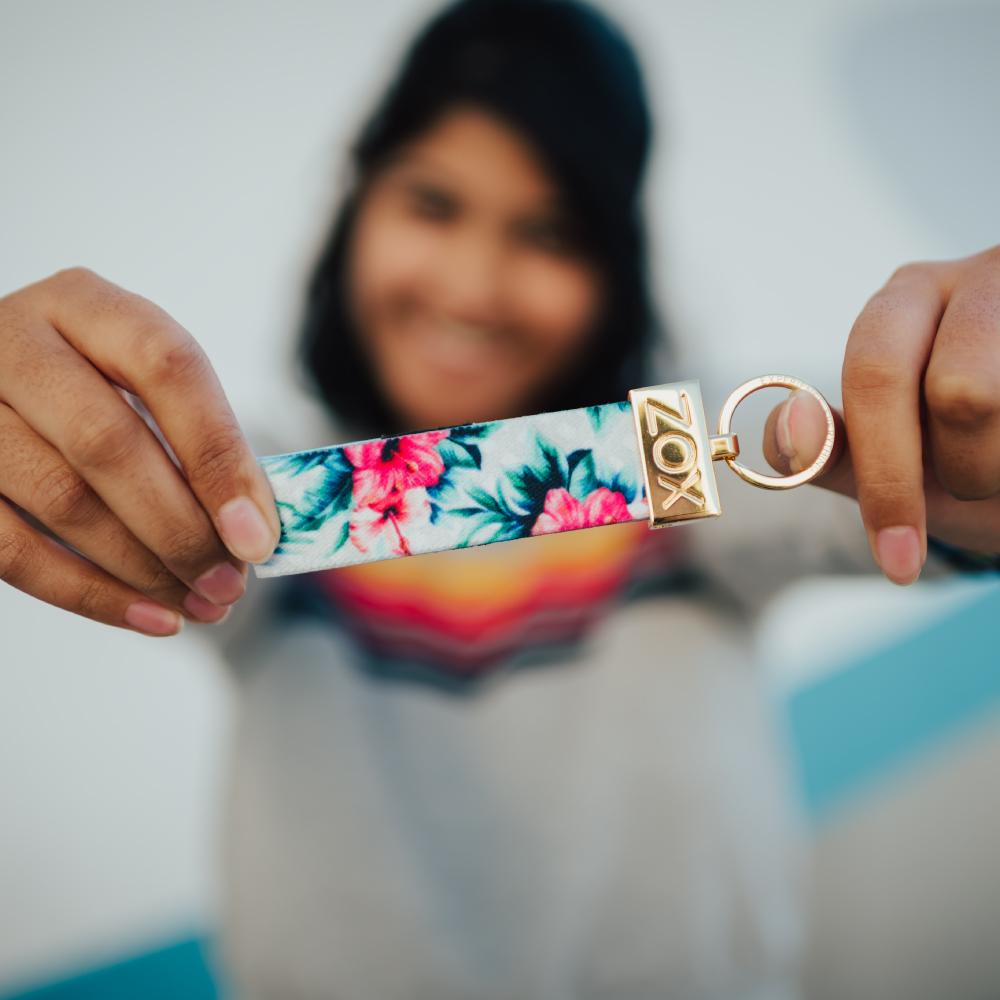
<point>897,550</point>
<point>783,431</point>
<point>245,531</point>
<point>152,618</point>
<point>222,584</point>
<point>204,611</point>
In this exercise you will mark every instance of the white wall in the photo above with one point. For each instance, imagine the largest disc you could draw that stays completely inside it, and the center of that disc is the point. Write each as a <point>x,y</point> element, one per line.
<point>191,151</point>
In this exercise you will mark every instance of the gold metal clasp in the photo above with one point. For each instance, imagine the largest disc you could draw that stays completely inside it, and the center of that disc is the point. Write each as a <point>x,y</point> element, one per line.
<point>677,451</point>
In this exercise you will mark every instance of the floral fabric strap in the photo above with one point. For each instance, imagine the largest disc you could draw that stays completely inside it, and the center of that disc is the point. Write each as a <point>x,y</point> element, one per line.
<point>452,488</point>
<point>648,458</point>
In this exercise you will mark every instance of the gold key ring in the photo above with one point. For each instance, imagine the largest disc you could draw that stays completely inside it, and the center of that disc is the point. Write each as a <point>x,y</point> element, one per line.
<point>759,479</point>
<point>677,451</point>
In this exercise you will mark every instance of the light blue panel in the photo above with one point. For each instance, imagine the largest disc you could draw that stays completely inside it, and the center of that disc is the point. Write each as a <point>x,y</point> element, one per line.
<point>868,719</point>
<point>179,971</point>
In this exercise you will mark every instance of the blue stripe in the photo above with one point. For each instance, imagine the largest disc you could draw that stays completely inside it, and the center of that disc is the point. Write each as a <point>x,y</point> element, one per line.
<point>888,707</point>
<point>179,970</point>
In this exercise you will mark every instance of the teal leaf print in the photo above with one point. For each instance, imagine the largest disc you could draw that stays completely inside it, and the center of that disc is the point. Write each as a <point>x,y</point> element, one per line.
<point>465,431</point>
<point>328,495</point>
<point>619,484</point>
<point>473,451</point>
<point>597,414</point>
<point>580,473</point>
<point>321,503</point>
<point>458,451</point>
<point>341,539</point>
<point>519,499</point>
<point>492,519</point>
<point>531,482</point>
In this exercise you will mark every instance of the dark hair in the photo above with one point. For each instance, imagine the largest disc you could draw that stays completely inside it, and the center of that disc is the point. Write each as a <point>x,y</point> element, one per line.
<point>564,77</point>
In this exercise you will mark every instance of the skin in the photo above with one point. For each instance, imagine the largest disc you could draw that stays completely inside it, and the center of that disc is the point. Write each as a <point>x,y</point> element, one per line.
<point>465,281</point>
<point>471,304</point>
<point>919,436</point>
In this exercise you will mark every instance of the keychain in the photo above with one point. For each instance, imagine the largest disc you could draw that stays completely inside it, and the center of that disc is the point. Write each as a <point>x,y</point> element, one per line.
<point>677,451</point>
<point>650,457</point>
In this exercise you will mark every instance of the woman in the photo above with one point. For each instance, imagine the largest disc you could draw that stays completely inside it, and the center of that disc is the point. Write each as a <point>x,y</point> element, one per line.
<point>409,815</point>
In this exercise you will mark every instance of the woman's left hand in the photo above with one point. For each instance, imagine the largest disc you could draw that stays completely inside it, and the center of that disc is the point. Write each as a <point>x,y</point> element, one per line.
<point>921,392</point>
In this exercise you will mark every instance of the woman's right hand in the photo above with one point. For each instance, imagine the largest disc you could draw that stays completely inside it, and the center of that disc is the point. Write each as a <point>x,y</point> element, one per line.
<point>79,465</point>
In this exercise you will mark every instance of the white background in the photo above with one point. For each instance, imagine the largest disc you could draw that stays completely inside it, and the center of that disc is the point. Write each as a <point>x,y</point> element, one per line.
<point>192,152</point>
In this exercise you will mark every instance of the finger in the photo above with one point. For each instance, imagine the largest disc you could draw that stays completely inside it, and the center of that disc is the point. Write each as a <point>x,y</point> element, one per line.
<point>962,386</point>
<point>973,525</point>
<point>794,435</point>
<point>35,477</point>
<point>143,349</point>
<point>42,568</point>
<point>62,397</point>
<point>886,354</point>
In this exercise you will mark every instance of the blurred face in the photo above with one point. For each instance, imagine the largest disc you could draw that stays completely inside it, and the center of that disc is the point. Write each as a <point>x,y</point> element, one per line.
<point>467,287</point>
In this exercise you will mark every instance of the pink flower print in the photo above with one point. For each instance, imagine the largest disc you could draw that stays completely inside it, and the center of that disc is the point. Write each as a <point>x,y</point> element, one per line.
<point>563,512</point>
<point>383,470</point>
<point>383,528</point>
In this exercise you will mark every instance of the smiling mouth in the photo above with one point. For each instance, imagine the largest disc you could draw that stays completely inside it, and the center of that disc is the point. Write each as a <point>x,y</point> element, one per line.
<point>459,349</point>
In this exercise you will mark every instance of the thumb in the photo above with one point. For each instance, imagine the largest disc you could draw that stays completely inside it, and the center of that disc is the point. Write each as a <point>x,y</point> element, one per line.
<point>793,438</point>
